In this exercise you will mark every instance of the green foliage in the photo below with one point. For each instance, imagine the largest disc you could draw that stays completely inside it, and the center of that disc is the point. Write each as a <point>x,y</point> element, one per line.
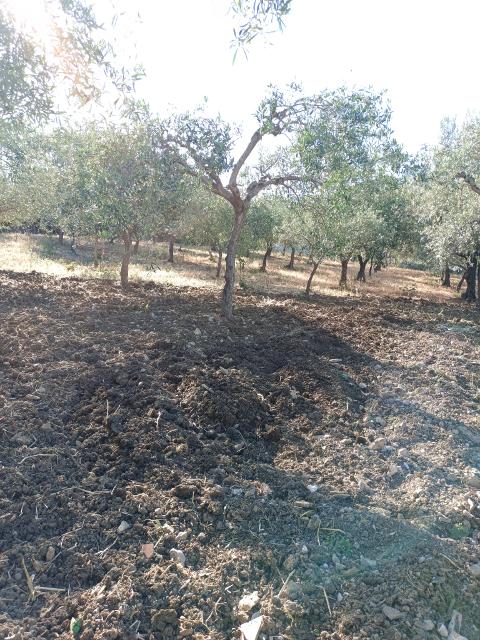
<point>255,17</point>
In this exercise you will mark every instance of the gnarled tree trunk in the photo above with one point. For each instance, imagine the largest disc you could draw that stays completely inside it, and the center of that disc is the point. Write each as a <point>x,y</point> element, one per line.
<point>171,243</point>
<point>291,264</point>
<point>344,273</point>
<point>268,253</point>
<point>95,250</point>
<point>229,288</point>
<point>219,263</point>
<point>127,244</point>
<point>362,267</point>
<point>471,280</point>
<point>310,278</point>
<point>446,276</point>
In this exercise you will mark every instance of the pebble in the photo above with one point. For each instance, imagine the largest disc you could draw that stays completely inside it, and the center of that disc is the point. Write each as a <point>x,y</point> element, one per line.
<point>362,386</point>
<point>391,613</point>
<point>250,630</point>
<point>474,481</point>
<point>49,556</point>
<point>181,536</point>
<point>178,556</point>
<point>402,453</point>
<point>393,469</point>
<point>366,562</point>
<point>304,549</point>
<point>378,444</point>
<point>123,526</point>
<point>313,488</point>
<point>442,630</point>
<point>427,625</point>
<point>248,601</point>
<point>475,569</point>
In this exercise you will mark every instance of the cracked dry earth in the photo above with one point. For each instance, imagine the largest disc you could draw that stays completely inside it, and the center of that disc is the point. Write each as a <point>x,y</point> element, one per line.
<point>325,455</point>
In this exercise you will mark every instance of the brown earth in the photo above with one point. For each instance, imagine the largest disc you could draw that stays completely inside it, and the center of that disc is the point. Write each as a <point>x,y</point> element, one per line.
<point>205,437</point>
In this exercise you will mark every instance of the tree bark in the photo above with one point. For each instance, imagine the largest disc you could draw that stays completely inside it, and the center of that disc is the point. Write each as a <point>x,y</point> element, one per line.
<point>361,270</point>
<point>60,236</point>
<point>471,279</point>
<point>284,249</point>
<point>219,263</point>
<point>446,276</point>
<point>268,253</point>
<point>371,267</point>
<point>291,264</point>
<point>95,251</point>
<point>344,274</point>
<point>310,277</point>
<point>135,246</point>
<point>127,243</point>
<point>229,287</point>
<point>171,242</point>
<point>378,266</point>
<point>462,280</point>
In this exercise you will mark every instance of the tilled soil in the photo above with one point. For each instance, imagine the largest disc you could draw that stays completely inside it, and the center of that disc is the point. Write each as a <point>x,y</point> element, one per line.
<point>325,454</point>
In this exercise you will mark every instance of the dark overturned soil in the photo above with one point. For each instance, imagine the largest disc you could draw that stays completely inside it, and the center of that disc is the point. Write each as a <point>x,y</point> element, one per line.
<point>245,446</point>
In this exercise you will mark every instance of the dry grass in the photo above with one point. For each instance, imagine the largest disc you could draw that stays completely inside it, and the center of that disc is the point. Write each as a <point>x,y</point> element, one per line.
<point>194,268</point>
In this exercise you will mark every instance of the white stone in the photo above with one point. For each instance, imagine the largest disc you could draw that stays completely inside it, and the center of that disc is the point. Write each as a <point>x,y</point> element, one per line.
<point>248,601</point>
<point>378,444</point>
<point>391,613</point>
<point>123,526</point>
<point>475,569</point>
<point>442,630</point>
<point>178,556</point>
<point>250,630</point>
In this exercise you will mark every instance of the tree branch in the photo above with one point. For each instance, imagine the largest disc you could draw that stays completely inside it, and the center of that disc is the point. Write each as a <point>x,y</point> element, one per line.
<point>254,140</point>
<point>254,188</point>
<point>470,181</point>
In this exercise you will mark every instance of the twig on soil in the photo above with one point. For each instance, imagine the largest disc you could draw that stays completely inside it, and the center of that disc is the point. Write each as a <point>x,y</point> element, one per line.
<point>56,589</point>
<point>28,578</point>
<point>457,566</point>
<point>37,455</point>
<point>326,600</point>
<point>99,553</point>
<point>285,583</point>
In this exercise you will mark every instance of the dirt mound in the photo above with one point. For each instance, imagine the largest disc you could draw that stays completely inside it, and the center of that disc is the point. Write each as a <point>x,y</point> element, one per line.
<point>156,469</point>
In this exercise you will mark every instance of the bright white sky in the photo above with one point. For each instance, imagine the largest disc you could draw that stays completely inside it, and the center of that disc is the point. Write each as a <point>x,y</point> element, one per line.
<point>422,52</point>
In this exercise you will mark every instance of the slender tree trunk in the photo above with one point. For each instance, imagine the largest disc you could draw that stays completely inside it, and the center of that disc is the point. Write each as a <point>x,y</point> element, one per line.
<point>361,270</point>
<point>371,267</point>
<point>135,246</point>
<point>471,279</point>
<point>291,264</point>
<point>344,274</point>
<point>229,287</point>
<point>446,276</point>
<point>60,236</point>
<point>462,280</point>
<point>127,243</point>
<point>95,251</point>
<point>268,253</point>
<point>210,254</point>
<point>378,266</point>
<point>73,246</point>
<point>219,263</point>
<point>284,249</point>
<point>171,243</point>
<point>310,278</point>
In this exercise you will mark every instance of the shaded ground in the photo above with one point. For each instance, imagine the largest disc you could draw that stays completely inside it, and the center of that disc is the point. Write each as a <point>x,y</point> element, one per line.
<point>205,437</point>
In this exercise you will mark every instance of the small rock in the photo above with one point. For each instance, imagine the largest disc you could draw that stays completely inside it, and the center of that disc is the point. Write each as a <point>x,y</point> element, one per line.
<point>427,625</point>
<point>168,528</point>
<point>402,452</point>
<point>475,569</point>
<point>178,556</point>
<point>391,613</point>
<point>49,556</point>
<point>380,421</point>
<point>197,332</point>
<point>393,469</point>
<point>474,481</point>
<point>248,601</point>
<point>184,490</point>
<point>378,444</point>
<point>304,549</point>
<point>250,630</point>
<point>313,488</point>
<point>363,485</point>
<point>123,526</point>
<point>362,386</point>
<point>366,562</point>
<point>181,536</point>
<point>442,630</point>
